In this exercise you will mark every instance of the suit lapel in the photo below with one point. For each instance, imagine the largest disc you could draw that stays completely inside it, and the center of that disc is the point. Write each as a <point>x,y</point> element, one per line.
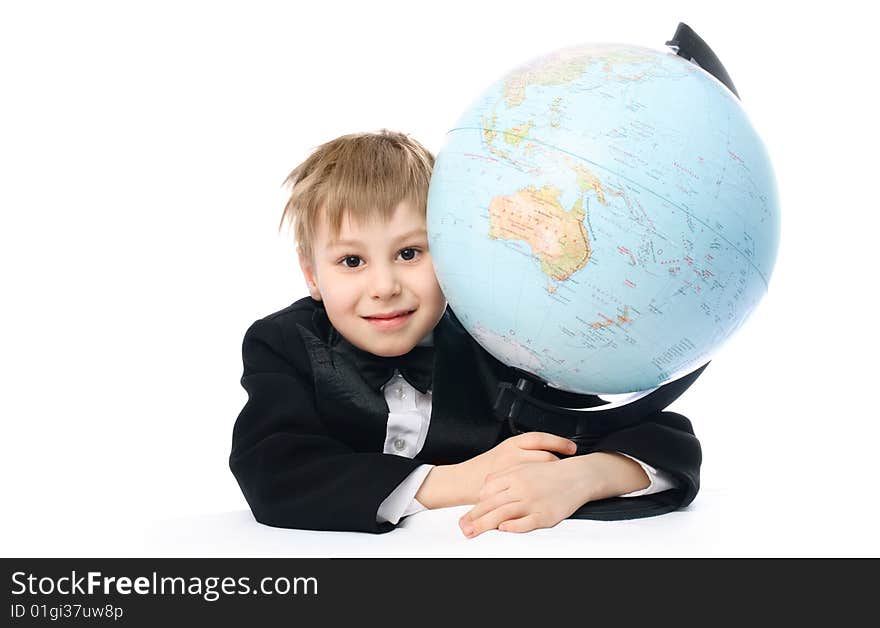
<point>358,415</point>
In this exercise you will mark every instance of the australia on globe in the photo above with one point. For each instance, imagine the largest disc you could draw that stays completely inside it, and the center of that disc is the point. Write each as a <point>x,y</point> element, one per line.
<point>604,217</point>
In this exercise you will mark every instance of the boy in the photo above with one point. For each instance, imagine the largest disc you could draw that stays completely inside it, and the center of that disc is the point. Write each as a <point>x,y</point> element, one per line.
<point>369,402</point>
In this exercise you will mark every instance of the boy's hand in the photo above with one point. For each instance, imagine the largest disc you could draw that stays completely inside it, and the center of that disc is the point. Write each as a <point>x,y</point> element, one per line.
<point>532,495</point>
<point>528,448</point>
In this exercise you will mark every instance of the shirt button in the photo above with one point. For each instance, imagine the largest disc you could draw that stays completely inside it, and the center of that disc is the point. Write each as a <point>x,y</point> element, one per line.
<point>400,393</point>
<point>399,444</point>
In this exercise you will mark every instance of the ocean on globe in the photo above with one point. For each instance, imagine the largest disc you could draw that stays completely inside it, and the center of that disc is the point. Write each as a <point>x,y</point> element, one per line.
<point>604,217</point>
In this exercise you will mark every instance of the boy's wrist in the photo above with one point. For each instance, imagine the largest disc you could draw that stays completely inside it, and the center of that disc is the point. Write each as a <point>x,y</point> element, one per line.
<point>444,486</point>
<point>604,474</point>
<point>590,476</point>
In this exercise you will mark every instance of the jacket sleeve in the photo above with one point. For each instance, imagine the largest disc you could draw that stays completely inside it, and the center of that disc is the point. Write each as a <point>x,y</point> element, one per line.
<point>292,473</point>
<point>664,440</point>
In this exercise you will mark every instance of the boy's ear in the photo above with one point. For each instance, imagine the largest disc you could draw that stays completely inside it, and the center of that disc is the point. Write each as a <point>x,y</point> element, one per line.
<point>308,271</point>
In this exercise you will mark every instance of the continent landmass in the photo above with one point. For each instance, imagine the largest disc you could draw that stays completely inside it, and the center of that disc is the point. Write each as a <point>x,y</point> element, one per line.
<point>556,235</point>
<point>568,64</point>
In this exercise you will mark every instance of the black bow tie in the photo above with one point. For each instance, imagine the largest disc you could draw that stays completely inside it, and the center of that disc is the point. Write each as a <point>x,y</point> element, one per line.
<point>416,366</point>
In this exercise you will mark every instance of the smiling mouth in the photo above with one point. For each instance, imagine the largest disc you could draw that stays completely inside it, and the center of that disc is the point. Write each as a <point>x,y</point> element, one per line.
<point>390,315</point>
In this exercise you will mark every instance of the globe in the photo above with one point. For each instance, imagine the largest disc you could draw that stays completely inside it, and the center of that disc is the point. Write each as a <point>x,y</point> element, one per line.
<point>604,217</point>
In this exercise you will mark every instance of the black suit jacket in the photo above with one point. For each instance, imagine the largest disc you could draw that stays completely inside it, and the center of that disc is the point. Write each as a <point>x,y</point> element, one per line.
<point>306,447</point>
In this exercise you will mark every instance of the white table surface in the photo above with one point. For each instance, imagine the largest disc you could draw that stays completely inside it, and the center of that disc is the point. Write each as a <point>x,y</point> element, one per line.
<point>715,524</point>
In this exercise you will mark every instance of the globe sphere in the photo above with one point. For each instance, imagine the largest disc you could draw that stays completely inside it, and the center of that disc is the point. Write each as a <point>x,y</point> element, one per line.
<point>604,217</point>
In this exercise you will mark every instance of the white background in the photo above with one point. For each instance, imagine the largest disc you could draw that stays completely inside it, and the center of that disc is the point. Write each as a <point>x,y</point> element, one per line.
<point>142,150</point>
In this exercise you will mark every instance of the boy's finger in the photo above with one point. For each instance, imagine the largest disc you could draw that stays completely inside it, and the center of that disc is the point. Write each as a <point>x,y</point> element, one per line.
<point>490,520</point>
<point>484,506</point>
<point>548,442</point>
<point>523,524</point>
<point>539,455</point>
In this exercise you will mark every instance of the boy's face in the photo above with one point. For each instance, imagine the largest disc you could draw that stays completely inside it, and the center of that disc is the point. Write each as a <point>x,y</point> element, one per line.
<point>377,281</point>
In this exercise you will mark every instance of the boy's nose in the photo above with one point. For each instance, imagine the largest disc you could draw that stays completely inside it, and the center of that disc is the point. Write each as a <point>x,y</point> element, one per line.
<point>385,283</point>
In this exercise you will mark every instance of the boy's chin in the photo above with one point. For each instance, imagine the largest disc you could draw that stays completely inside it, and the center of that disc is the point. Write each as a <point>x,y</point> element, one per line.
<point>390,347</point>
<point>384,351</point>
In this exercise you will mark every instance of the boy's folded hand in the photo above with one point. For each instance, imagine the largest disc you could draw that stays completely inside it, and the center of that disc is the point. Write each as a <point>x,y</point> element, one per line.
<point>525,448</point>
<point>531,496</point>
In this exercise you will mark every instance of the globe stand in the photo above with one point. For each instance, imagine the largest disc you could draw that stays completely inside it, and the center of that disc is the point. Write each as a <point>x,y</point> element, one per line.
<point>531,405</point>
<point>687,44</point>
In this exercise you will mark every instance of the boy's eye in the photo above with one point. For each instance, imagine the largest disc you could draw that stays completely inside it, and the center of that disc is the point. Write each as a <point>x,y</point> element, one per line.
<point>354,261</point>
<point>409,254</point>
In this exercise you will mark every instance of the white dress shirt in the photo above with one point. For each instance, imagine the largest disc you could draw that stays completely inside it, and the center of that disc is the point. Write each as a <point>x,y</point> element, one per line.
<point>409,415</point>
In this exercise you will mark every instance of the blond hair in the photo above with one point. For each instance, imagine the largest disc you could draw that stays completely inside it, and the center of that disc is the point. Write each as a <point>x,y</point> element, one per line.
<point>365,174</point>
